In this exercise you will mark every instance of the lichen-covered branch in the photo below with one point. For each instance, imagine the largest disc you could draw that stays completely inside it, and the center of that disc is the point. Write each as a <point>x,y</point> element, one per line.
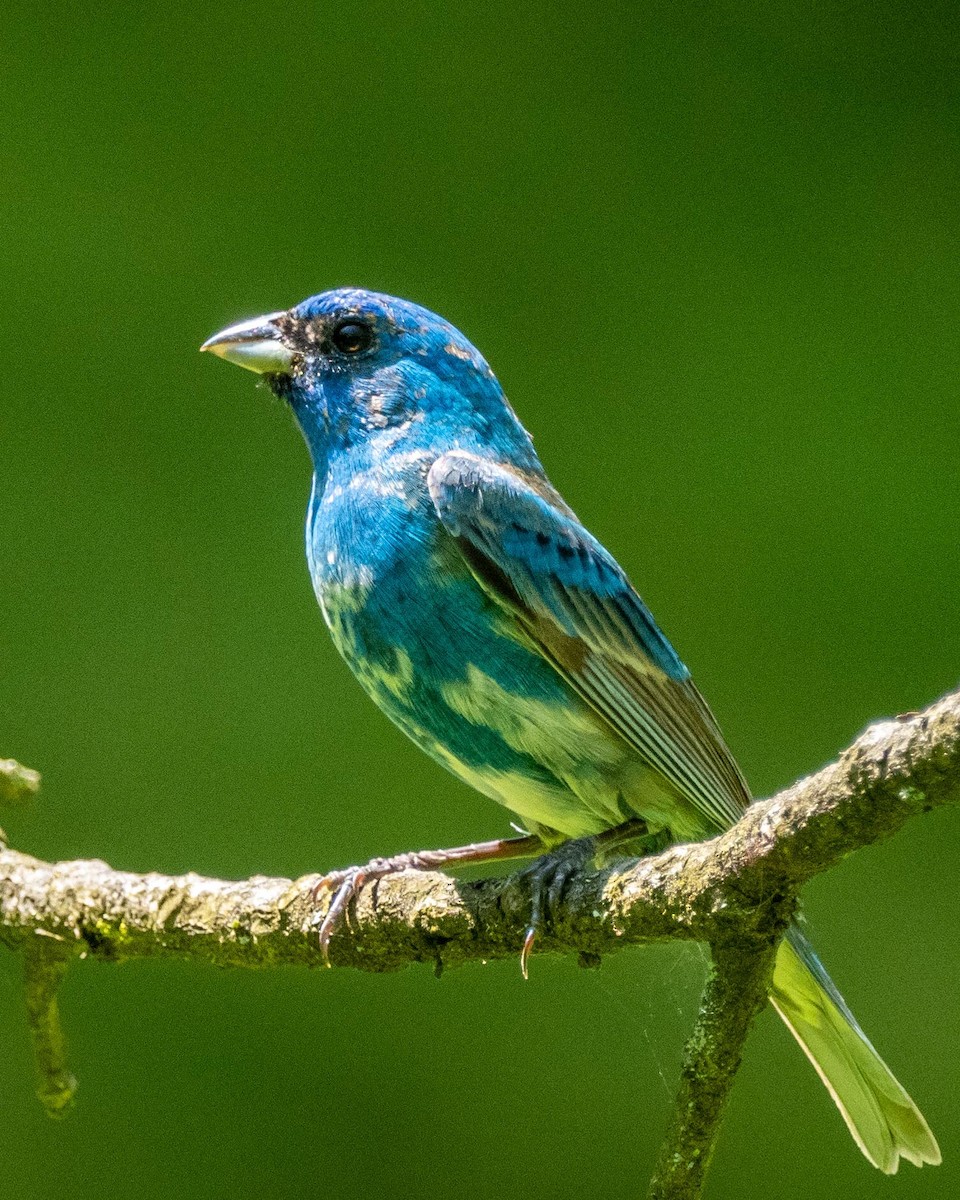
<point>734,891</point>
<point>708,891</point>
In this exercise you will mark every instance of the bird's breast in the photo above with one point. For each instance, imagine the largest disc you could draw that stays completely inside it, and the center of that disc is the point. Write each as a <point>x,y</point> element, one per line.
<point>454,671</point>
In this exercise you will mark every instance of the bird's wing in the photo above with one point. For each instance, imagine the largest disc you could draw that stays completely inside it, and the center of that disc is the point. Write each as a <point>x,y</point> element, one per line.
<point>575,603</point>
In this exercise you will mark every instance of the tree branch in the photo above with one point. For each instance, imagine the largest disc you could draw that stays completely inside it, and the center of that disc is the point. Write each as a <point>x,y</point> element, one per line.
<point>735,992</point>
<point>44,966</point>
<point>738,890</point>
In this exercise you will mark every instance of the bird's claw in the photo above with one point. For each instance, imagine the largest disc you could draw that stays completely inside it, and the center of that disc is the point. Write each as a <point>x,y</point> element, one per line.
<point>528,939</point>
<point>548,878</point>
<point>345,885</point>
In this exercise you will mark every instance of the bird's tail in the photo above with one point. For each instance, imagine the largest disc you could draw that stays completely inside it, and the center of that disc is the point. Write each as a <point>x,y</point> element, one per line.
<point>884,1121</point>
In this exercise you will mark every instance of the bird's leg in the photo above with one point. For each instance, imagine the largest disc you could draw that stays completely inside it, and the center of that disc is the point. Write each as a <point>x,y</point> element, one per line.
<point>550,874</point>
<point>347,883</point>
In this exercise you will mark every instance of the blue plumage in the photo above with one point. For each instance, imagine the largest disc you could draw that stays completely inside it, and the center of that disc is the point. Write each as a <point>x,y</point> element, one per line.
<point>440,554</point>
<point>502,637</point>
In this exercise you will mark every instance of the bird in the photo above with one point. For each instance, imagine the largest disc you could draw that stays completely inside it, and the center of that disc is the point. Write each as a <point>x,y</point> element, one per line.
<point>502,637</point>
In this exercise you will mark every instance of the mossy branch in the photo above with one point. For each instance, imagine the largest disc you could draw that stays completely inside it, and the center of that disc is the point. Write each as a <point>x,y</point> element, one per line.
<point>735,891</point>
<point>735,992</point>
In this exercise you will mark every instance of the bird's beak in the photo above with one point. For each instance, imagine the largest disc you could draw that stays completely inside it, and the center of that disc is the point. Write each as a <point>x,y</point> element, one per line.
<point>256,345</point>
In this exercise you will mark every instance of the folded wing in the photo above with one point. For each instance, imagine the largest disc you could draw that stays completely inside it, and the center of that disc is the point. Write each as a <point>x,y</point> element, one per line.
<point>572,600</point>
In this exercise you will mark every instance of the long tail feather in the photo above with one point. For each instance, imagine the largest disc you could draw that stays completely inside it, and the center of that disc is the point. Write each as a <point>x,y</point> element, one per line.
<point>884,1121</point>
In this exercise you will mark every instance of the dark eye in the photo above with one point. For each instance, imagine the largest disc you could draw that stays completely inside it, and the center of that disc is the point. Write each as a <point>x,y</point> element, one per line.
<point>352,337</point>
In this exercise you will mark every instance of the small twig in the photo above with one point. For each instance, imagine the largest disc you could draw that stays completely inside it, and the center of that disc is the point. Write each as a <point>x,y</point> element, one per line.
<point>735,991</point>
<point>18,785</point>
<point>45,963</point>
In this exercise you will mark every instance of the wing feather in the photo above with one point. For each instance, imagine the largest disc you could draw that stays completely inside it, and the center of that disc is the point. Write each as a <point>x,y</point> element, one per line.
<point>576,605</point>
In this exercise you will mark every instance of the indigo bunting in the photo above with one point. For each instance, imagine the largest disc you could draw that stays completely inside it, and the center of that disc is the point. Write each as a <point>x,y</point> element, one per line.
<point>507,643</point>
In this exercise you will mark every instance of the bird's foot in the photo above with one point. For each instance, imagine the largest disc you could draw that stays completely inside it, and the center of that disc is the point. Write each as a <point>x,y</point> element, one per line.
<point>549,877</point>
<point>345,885</point>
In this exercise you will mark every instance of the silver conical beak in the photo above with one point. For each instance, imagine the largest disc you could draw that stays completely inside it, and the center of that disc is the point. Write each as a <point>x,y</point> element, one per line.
<point>256,345</point>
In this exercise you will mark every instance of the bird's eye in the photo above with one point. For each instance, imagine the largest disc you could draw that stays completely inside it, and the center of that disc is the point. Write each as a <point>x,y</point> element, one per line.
<point>352,337</point>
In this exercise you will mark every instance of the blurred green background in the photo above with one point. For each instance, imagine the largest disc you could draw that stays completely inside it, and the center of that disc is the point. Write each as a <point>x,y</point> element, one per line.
<point>711,251</point>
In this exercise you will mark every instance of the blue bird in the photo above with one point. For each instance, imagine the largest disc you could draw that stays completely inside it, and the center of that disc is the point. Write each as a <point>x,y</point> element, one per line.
<point>507,643</point>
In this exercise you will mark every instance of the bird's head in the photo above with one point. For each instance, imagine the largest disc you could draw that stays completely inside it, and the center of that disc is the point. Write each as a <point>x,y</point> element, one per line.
<point>353,363</point>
